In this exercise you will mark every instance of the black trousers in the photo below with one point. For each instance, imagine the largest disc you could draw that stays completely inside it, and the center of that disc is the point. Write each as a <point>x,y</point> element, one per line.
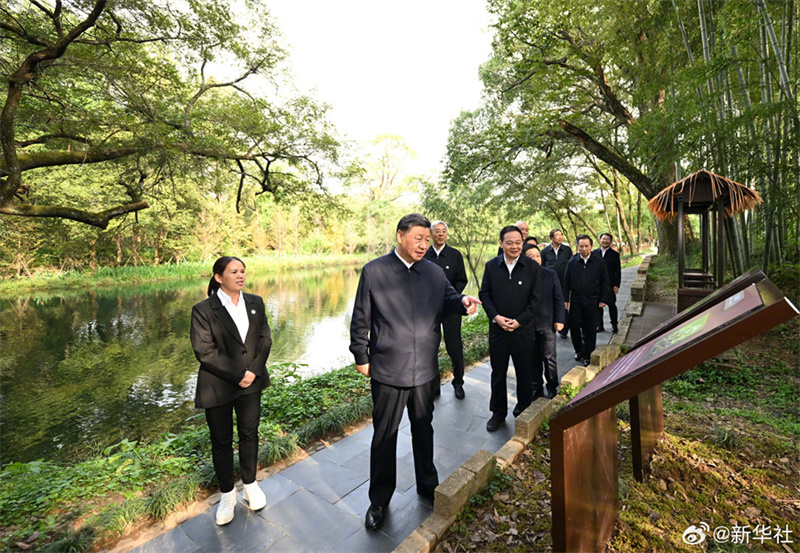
<point>389,402</point>
<point>220,423</point>
<point>564,331</point>
<point>612,313</point>
<point>583,326</point>
<point>517,345</point>
<point>544,360</point>
<point>451,329</point>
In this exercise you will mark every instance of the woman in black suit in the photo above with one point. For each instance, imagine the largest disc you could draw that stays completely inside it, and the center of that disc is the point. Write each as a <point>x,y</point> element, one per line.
<point>231,339</point>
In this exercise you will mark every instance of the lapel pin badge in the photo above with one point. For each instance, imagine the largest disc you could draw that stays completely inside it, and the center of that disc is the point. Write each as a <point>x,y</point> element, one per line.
<point>253,311</point>
<point>520,283</point>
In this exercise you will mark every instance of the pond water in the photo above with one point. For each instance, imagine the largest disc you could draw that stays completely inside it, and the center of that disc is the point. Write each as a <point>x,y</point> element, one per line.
<point>81,371</point>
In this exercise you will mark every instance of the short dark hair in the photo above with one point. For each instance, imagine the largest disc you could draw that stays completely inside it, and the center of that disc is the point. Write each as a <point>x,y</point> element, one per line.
<point>554,231</point>
<point>607,234</point>
<point>531,239</point>
<point>509,228</point>
<point>219,267</point>
<point>585,236</point>
<point>529,246</point>
<point>413,220</point>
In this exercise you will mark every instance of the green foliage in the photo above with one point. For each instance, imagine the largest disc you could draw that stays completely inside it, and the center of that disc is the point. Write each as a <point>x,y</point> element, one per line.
<point>726,437</point>
<point>166,499</point>
<point>624,411</point>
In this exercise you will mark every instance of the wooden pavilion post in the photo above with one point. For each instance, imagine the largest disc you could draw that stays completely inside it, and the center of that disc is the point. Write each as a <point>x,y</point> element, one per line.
<point>704,217</point>
<point>719,271</point>
<point>681,246</point>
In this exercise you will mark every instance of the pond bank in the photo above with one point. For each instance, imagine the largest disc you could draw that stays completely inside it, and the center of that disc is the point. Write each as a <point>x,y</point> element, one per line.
<point>51,280</point>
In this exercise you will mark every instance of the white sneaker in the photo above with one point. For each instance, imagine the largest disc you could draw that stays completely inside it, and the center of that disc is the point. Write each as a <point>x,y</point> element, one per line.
<point>225,508</point>
<point>254,496</point>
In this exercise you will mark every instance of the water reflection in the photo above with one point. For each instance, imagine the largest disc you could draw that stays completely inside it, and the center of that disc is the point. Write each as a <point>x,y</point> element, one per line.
<point>82,371</point>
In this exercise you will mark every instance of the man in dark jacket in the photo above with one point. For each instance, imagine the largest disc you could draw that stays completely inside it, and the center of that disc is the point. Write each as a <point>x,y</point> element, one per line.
<point>555,256</point>
<point>614,266</point>
<point>549,319</point>
<point>452,263</point>
<point>585,288</point>
<point>394,337</point>
<point>508,296</point>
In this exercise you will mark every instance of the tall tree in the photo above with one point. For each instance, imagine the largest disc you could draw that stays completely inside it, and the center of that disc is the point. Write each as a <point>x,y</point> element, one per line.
<point>140,88</point>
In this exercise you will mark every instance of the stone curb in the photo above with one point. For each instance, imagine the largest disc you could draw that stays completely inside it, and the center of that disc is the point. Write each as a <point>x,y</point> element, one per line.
<point>452,494</point>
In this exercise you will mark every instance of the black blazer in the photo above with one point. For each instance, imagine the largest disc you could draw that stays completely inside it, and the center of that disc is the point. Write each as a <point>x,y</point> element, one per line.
<point>396,319</point>
<point>222,355</point>
<point>613,264</point>
<point>511,296</point>
<point>452,263</point>
<point>550,307</point>
<point>587,283</point>
<point>557,262</point>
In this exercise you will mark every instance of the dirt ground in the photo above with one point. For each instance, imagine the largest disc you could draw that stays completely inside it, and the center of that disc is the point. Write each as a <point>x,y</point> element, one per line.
<point>729,459</point>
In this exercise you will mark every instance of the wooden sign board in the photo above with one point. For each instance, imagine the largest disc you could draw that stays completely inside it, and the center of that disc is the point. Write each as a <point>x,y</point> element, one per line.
<point>737,285</point>
<point>721,325</point>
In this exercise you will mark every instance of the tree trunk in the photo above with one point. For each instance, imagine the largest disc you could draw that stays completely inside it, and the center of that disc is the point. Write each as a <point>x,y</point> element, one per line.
<point>621,210</point>
<point>667,238</point>
<point>735,244</point>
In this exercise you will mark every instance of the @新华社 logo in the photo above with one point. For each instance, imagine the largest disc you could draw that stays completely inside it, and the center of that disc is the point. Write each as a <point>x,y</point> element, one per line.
<point>695,535</point>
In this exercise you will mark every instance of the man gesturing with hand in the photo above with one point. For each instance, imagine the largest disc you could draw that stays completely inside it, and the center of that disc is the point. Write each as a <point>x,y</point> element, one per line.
<point>394,337</point>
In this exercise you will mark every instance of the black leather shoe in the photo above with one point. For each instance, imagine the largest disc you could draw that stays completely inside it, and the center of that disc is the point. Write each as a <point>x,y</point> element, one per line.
<point>459,391</point>
<point>426,494</point>
<point>375,516</point>
<point>614,329</point>
<point>495,422</point>
<point>551,392</point>
<point>578,357</point>
<point>586,361</point>
<point>600,329</point>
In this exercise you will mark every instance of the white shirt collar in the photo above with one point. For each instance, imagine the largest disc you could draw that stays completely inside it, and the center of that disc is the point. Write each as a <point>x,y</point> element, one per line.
<point>603,251</point>
<point>406,263</point>
<point>237,312</point>
<point>510,264</point>
<point>439,251</point>
<point>226,299</point>
<point>586,259</point>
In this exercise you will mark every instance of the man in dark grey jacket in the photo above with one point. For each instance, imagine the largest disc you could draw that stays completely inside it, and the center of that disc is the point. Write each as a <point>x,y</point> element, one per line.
<point>586,287</point>
<point>452,263</point>
<point>394,336</point>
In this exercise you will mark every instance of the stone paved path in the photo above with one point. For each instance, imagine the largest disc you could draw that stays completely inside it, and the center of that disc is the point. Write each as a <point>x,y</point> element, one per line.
<point>318,504</point>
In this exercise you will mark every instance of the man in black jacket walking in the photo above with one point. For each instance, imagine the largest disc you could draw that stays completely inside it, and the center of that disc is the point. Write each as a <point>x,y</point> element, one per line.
<point>508,296</point>
<point>394,337</point>
<point>452,263</point>
<point>586,288</point>
<point>614,267</point>
<point>555,256</point>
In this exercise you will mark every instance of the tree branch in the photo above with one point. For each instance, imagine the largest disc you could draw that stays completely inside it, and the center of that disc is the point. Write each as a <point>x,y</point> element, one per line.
<point>98,219</point>
<point>575,135</point>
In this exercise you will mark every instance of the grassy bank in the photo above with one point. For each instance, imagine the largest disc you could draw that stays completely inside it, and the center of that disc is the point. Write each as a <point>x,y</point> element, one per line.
<point>92,504</point>
<point>51,280</point>
<point>730,458</point>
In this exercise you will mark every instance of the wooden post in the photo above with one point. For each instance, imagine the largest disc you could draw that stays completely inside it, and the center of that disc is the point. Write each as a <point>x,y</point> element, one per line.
<point>681,246</point>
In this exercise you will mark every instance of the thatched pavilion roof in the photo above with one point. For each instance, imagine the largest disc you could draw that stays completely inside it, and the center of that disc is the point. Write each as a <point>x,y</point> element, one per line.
<point>701,190</point>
